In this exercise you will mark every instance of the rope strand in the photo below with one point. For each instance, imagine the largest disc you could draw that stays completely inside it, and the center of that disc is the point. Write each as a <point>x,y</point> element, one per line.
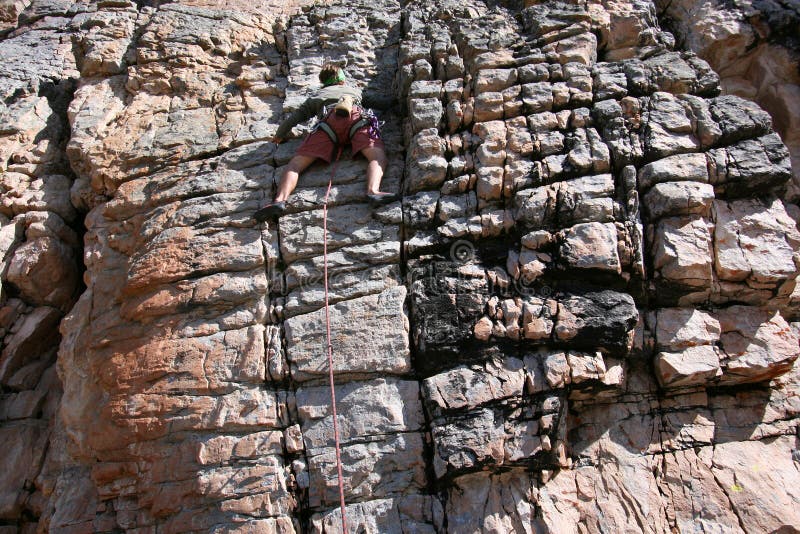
<point>330,346</point>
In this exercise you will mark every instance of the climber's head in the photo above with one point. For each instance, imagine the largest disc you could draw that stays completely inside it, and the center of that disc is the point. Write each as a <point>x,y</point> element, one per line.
<point>331,74</point>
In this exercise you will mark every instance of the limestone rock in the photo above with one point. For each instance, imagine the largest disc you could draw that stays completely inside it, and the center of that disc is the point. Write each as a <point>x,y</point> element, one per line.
<point>358,349</point>
<point>579,315</point>
<point>591,246</point>
<point>755,242</point>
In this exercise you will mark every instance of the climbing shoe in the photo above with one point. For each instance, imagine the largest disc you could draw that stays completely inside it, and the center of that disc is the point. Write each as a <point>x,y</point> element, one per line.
<point>381,199</point>
<point>270,211</point>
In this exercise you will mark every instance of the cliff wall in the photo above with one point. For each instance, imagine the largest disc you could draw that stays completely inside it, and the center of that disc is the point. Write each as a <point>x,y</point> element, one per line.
<point>580,316</point>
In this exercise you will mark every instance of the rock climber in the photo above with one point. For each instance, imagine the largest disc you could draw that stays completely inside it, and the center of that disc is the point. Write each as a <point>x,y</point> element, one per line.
<point>342,121</point>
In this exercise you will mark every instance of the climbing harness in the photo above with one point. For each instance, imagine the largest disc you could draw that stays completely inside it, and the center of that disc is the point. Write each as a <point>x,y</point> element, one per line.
<point>367,118</point>
<point>328,336</point>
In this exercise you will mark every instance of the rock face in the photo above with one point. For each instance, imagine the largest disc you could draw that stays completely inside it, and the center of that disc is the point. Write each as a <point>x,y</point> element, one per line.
<point>754,48</point>
<point>579,316</point>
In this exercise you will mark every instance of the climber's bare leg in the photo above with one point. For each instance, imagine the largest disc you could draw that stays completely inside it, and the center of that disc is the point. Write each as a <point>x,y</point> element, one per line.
<point>378,161</point>
<point>291,174</point>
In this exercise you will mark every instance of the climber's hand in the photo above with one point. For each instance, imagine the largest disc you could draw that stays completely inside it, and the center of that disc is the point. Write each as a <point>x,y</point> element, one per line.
<point>277,140</point>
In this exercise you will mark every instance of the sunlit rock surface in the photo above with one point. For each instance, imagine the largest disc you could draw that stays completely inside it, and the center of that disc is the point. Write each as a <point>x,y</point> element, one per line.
<point>579,316</point>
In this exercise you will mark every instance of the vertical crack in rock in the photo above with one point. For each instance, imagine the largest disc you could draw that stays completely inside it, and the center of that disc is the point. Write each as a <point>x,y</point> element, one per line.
<point>40,250</point>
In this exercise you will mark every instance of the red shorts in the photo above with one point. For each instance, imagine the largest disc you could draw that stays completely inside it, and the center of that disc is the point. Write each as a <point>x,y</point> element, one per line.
<point>319,145</point>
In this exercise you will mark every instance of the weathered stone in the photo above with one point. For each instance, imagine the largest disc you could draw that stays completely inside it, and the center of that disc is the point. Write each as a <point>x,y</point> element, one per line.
<point>755,242</point>
<point>351,224</point>
<point>596,318</point>
<point>45,271</point>
<point>32,337</point>
<point>374,408</point>
<point>465,388</point>
<point>739,469</point>
<point>425,113</point>
<point>679,328</point>
<point>749,166</point>
<point>591,246</point>
<point>488,106</point>
<point>426,166</point>
<point>508,501</point>
<point>692,367</point>
<point>756,344</point>
<point>537,97</point>
<point>353,325</point>
<point>25,445</point>
<point>679,198</point>
<point>362,477</point>
<point>682,251</point>
<point>420,513</point>
<point>180,408</point>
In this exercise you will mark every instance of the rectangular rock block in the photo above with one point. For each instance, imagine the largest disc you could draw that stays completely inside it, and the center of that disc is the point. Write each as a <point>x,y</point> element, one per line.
<point>215,363</point>
<point>352,224</point>
<point>420,514</point>
<point>756,243</point>
<point>591,246</point>
<point>678,198</point>
<point>694,366</point>
<point>682,251</point>
<point>342,285</point>
<point>147,416</point>
<point>750,166</point>
<point>519,431</point>
<point>369,335</point>
<point>756,345</point>
<point>469,387</point>
<point>366,409</point>
<point>183,252</point>
<point>507,502</point>
<point>385,467</point>
<point>257,490</point>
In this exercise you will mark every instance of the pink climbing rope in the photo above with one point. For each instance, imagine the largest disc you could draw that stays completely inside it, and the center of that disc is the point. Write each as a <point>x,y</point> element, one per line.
<point>330,346</point>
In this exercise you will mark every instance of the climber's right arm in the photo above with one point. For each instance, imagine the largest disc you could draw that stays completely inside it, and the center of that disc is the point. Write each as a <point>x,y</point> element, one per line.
<point>307,110</point>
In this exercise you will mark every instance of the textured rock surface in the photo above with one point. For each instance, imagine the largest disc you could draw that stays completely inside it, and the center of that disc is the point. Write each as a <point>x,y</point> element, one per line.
<point>754,48</point>
<point>580,316</point>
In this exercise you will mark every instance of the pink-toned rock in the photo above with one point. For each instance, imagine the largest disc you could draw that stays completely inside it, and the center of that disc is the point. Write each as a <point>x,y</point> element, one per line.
<point>557,371</point>
<point>531,265</point>
<point>45,271</point>
<point>364,477</point>
<point>682,251</point>
<point>567,324</point>
<point>358,350</point>
<point>508,500</point>
<point>679,328</point>
<point>483,328</point>
<point>756,344</point>
<point>537,322</point>
<point>374,408</point>
<point>467,388</point>
<point>761,482</point>
<point>488,106</point>
<point>224,448</point>
<point>420,513</point>
<point>490,183</point>
<point>691,367</point>
<point>193,366</point>
<point>583,366</point>
<point>755,242</point>
<point>591,246</point>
